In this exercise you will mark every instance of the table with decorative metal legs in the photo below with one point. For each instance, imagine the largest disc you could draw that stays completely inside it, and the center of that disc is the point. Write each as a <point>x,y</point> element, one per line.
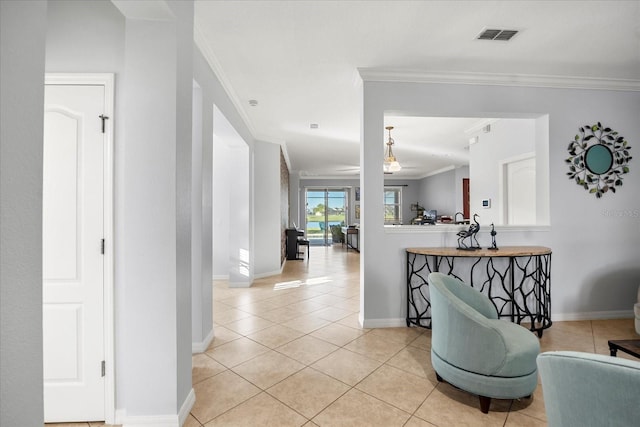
<point>517,279</point>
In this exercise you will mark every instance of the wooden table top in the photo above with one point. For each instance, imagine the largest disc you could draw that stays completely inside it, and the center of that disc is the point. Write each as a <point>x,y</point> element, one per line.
<point>505,251</point>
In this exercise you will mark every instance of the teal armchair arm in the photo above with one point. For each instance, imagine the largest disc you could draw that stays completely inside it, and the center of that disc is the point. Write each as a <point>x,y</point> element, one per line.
<point>589,390</point>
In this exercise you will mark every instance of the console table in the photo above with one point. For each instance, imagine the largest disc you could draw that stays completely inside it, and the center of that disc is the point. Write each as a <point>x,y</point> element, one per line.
<point>517,279</point>
<point>349,234</point>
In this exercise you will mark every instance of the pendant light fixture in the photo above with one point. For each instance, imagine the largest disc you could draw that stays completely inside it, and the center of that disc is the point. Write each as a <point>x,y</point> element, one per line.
<point>390,162</point>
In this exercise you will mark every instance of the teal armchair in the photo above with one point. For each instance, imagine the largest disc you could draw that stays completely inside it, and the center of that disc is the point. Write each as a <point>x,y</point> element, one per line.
<point>474,350</point>
<point>589,390</point>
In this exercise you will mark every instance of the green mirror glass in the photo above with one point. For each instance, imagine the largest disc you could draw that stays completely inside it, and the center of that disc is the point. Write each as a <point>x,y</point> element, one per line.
<point>599,159</point>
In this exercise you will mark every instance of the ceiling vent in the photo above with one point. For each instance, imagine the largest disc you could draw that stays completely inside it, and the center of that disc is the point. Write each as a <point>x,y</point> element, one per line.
<point>496,34</point>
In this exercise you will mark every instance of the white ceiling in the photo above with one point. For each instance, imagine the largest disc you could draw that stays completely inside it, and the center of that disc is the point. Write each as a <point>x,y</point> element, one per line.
<point>300,61</point>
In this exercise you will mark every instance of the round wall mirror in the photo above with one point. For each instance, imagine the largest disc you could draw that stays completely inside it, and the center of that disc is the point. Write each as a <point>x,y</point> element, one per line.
<point>599,158</point>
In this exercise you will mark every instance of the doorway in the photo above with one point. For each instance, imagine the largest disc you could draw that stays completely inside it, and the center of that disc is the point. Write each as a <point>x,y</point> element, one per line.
<point>326,212</point>
<point>77,258</point>
<point>520,190</point>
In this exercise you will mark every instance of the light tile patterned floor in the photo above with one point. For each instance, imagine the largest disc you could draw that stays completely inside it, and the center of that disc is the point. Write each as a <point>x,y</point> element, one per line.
<point>289,351</point>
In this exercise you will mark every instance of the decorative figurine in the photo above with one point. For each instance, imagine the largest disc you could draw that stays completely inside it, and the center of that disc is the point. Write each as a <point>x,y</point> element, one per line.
<point>493,247</point>
<point>471,235</point>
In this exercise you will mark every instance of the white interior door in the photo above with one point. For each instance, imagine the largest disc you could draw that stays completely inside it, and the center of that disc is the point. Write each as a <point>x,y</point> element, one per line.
<point>521,192</point>
<point>73,260</point>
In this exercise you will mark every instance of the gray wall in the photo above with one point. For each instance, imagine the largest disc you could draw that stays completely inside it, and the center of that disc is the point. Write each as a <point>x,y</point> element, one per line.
<point>440,192</point>
<point>267,208</point>
<point>152,61</point>
<point>22,54</point>
<point>604,231</point>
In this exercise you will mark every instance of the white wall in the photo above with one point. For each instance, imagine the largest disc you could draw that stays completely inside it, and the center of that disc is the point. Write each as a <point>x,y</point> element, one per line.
<point>221,212</point>
<point>22,62</point>
<point>233,209</point>
<point>606,231</point>
<point>507,139</point>
<point>267,237</point>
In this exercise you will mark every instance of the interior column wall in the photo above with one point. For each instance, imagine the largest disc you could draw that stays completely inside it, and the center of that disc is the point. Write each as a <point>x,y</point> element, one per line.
<point>22,66</point>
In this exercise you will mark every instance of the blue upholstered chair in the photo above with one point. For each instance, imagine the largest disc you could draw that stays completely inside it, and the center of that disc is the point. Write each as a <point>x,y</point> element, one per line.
<point>474,350</point>
<point>589,390</point>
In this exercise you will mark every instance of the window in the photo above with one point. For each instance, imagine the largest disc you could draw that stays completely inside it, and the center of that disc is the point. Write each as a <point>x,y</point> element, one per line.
<point>393,205</point>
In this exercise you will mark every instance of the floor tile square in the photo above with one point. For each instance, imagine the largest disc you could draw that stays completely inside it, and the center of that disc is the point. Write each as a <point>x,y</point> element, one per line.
<point>332,314</point>
<point>229,315</point>
<point>338,334</point>
<point>275,336</point>
<point>414,360</point>
<point>203,367</point>
<point>220,393</point>
<point>448,406</point>
<point>306,323</point>
<point>399,388</point>
<point>359,409</point>
<point>346,366</point>
<point>307,349</point>
<point>281,314</point>
<point>267,369</point>
<point>237,351</point>
<point>261,410</point>
<point>375,347</point>
<point>249,325</point>
<point>222,335</point>
<point>308,391</point>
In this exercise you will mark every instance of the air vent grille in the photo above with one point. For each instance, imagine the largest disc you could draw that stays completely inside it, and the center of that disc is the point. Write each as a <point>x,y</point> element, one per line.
<point>496,34</point>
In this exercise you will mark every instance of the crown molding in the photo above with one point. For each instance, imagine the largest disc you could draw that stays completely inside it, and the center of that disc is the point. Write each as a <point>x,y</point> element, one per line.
<point>530,80</point>
<point>212,60</point>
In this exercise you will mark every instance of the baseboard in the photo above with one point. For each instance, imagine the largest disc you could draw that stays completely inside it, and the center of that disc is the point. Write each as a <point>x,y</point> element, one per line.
<point>186,407</point>
<point>146,420</point>
<point>240,285</point>
<point>221,277</point>
<point>384,323</point>
<point>556,317</point>
<point>158,420</point>
<point>592,315</point>
<point>269,274</point>
<point>201,347</point>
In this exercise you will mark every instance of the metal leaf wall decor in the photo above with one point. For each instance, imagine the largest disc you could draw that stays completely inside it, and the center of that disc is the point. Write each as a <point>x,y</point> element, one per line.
<point>599,158</point>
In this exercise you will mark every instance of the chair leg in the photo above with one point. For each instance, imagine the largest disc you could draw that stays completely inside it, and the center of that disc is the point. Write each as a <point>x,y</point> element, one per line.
<point>439,378</point>
<point>485,402</point>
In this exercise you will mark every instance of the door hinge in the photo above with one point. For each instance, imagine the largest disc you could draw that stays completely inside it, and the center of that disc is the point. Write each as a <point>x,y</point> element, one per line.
<point>103,117</point>
<point>102,247</point>
<point>103,367</point>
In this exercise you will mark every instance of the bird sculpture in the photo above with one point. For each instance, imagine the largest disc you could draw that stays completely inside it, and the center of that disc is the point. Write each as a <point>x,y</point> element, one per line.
<point>494,246</point>
<point>469,234</point>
